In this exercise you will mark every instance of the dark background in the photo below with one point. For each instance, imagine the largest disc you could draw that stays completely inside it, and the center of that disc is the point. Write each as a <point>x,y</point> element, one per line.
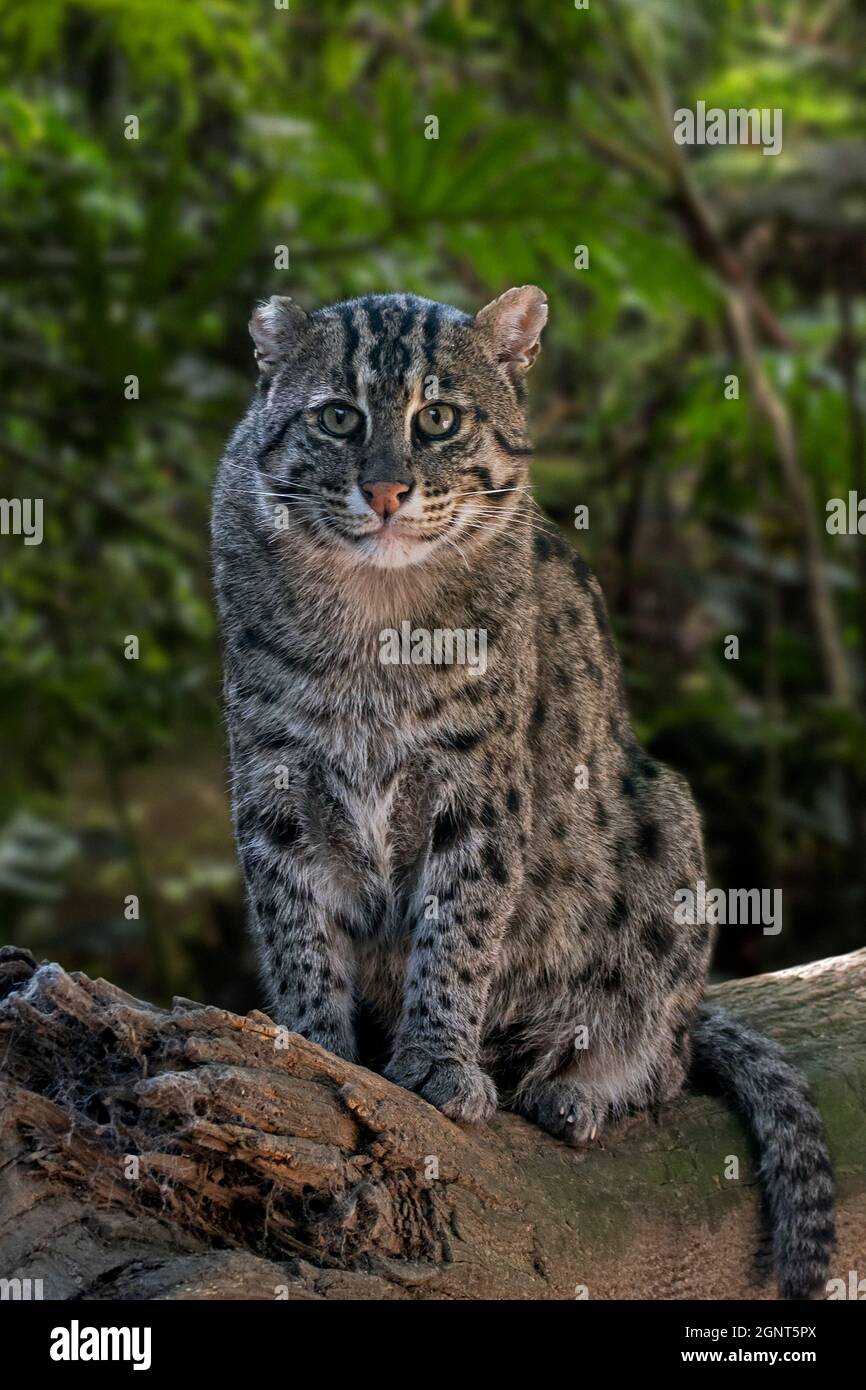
<point>261,128</point>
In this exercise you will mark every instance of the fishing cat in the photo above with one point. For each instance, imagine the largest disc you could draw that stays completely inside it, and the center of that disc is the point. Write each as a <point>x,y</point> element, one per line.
<point>482,865</point>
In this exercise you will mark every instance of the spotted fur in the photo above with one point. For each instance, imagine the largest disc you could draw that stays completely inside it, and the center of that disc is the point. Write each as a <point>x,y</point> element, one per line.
<point>478,870</point>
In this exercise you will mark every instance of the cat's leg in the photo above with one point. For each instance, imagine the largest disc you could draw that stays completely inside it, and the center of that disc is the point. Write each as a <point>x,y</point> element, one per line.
<point>633,1069</point>
<point>462,904</point>
<point>306,961</point>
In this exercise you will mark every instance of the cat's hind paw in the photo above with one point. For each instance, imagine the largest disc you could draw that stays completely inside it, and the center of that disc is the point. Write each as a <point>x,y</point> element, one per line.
<point>566,1111</point>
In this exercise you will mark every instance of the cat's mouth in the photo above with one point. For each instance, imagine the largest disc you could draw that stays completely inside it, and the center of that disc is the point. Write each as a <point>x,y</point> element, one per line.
<point>396,542</point>
<point>398,539</point>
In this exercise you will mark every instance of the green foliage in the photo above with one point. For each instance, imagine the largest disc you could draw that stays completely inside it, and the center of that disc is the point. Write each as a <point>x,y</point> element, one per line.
<point>260,128</point>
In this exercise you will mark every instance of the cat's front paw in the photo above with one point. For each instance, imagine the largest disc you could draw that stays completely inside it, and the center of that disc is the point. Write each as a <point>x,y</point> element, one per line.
<point>340,1041</point>
<point>461,1090</point>
<point>333,1034</point>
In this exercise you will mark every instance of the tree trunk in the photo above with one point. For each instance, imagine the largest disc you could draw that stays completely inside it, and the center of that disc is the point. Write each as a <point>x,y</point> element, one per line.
<point>195,1154</point>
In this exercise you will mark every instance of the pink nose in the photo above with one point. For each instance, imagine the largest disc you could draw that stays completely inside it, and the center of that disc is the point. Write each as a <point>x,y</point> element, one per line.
<point>385,498</point>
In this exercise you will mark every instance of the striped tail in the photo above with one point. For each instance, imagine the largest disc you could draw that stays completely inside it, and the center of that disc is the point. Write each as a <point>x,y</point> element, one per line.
<point>794,1168</point>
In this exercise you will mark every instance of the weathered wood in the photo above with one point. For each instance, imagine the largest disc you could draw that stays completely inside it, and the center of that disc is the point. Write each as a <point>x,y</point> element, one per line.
<point>268,1168</point>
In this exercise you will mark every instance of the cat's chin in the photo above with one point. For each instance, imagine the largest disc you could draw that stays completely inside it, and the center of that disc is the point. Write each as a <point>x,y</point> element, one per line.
<point>387,550</point>
<point>394,554</point>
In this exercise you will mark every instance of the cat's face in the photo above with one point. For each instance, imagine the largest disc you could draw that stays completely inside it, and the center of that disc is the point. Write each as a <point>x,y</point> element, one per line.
<point>392,428</point>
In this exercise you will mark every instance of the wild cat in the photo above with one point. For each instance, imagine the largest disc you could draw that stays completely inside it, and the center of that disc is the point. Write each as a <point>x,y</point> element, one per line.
<point>481,866</point>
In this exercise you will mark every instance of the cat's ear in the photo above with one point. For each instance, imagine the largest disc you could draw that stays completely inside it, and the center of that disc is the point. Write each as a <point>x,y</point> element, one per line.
<point>513,324</point>
<point>277,328</point>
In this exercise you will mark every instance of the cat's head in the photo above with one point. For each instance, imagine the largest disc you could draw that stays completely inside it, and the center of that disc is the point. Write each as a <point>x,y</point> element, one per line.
<point>391,427</point>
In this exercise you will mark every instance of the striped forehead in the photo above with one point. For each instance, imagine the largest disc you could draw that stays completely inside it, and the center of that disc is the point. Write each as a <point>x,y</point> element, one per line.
<point>389,341</point>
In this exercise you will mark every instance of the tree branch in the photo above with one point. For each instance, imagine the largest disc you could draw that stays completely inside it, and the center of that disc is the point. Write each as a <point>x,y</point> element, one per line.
<point>193,1153</point>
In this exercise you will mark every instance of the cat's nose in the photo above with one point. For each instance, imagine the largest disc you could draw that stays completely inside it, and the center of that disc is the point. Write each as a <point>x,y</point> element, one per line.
<point>385,498</point>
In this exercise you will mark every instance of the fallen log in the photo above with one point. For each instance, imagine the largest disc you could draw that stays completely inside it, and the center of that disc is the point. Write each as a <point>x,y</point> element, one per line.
<point>191,1153</point>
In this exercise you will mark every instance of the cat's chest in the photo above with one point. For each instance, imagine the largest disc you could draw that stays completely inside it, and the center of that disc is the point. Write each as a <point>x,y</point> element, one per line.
<point>363,737</point>
<point>370,831</point>
<point>365,719</point>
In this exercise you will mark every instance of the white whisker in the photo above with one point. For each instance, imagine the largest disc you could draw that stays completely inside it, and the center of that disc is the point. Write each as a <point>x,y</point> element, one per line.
<point>486,491</point>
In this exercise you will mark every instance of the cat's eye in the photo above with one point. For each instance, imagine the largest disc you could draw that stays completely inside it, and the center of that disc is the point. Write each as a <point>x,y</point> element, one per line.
<point>339,419</point>
<point>437,421</point>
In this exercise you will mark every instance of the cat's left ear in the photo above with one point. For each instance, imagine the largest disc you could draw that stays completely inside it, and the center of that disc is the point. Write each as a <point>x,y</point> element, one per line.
<point>277,328</point>
<point>513,324</point>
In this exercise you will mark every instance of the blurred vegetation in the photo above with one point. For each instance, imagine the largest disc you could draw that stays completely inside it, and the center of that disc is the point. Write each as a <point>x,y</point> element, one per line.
<point>261,127</point>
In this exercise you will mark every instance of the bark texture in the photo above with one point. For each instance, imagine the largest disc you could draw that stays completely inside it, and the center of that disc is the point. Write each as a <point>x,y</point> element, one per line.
<point>195,1154</point>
